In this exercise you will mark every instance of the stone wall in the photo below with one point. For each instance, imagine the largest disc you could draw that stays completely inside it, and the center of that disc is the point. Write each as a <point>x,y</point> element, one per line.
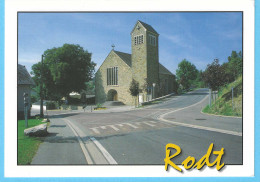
<point>166,87</point>
<point>124,80</point>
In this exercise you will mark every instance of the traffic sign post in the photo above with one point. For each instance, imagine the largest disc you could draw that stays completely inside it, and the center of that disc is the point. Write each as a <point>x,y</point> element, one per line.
<point>25,96</point>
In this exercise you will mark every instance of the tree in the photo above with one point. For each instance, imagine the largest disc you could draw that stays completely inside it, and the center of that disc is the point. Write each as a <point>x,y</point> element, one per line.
<point>134,89</point>
<point>186,73</point>
<point>235,65</point>
<point>214,75</point>
<point>65,70</point>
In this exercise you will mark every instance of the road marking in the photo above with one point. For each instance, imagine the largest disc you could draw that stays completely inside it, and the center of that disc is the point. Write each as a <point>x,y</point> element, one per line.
<point>148,124</point>
<point>161,118</point>
<point>103,127</point>
<point>115,128</point>
<point>153,122</point>
<point>203,128</point>
<point>95,130</point>
<point>220,115</point>
<point>82,145</point>
<point>108,157</point>
<point>133,126</point>
<point>121,125</point>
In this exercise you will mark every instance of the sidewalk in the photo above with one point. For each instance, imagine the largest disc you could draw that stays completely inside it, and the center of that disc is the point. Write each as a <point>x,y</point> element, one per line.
<point>59,147</point>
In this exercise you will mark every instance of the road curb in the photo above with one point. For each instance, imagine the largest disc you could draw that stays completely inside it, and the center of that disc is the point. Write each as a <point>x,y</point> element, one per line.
<point>221,115</point>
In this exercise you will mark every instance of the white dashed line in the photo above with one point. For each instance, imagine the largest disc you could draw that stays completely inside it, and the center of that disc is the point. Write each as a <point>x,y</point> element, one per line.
<point>95,130</point>
<point>133,126</point>
<point>103,127</point>
<point>115,128</point>
<point>121,125</point>
<point>148,124</point>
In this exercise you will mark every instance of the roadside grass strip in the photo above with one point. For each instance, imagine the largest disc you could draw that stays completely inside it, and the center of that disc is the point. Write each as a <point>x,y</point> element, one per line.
<point>224,105</point>
<point>27,146</point>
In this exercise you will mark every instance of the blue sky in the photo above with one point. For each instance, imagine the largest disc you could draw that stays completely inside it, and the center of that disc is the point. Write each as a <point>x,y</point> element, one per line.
<point>197,37</point>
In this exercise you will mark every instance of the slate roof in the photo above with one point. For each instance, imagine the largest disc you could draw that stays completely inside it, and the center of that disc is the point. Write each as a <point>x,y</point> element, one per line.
<point>148,27</point>
<point>127,59</point>
<point>23,77</point>
<point>164,70</point>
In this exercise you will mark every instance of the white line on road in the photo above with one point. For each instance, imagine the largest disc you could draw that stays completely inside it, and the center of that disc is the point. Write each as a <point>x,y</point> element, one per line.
<point>115,128</point>
<point>95,130</point>
<point>108,157</point>
<point>103,127</point>
<point>203,128</point>
<point>133,126</point>
<point>84,150</point>
<point>161,117</point>
<point>121,125</point>
<point>148,124</point>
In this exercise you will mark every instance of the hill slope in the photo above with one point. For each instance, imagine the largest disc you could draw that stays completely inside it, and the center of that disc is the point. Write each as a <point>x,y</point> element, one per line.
<point>223,105</point>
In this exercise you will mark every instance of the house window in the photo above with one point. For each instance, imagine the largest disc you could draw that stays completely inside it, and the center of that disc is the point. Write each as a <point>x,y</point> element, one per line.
<point>112,76</point>
<point>139,39</point>
<point>152,40</point>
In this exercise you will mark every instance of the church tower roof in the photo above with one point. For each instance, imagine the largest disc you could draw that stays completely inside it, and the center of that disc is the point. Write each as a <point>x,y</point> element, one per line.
<point>148,27</point>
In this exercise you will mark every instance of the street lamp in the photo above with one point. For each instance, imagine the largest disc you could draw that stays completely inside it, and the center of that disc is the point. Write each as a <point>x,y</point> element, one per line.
<point>153,89</point>
<point>41,92</point>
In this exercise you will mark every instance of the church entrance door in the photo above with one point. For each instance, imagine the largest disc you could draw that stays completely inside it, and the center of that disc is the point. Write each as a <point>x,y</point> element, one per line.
<point>112,95</point>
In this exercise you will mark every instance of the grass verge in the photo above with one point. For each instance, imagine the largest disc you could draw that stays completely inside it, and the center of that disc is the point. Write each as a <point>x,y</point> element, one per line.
<point>27,146</point>
<point>223,105</point>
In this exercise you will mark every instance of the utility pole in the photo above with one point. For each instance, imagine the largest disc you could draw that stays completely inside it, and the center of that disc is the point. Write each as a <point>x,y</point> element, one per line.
<point>25,96</point>
<point>210,97</point>
<point>232,99</point>
<point>41,92</point>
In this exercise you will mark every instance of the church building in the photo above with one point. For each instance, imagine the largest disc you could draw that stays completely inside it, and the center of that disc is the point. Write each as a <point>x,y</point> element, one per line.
<point>113,78</point>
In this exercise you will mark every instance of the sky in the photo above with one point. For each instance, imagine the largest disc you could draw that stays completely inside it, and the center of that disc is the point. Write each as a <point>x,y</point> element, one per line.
<point>198,37</point>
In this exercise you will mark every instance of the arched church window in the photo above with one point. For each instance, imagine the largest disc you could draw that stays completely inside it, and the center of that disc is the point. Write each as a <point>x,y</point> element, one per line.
<point>112,76</point>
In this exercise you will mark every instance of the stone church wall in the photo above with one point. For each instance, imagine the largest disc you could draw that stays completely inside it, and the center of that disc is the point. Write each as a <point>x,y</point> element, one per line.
<point>124,80</point>
<point>166,87</point>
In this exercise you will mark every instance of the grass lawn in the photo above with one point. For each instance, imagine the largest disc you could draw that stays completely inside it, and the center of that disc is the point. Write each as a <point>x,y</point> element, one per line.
<point>27,146</point>
<point>223,105</point>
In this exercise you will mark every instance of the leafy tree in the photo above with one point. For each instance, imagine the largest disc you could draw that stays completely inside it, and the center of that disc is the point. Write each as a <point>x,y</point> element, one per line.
<point>214,75</point>
<point>186,73</point>
<point>65,70</point>
<point>235,65</point>
<point>134,89</point>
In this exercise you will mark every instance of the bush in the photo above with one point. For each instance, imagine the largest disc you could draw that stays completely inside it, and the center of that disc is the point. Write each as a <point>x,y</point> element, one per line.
<point>34,99</point>
<point>51,105</point>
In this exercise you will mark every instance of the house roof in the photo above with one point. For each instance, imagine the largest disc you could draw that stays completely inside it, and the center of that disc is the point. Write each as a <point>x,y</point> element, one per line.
<point>148,27</point>
<point>23,77</point>
<point>125,57</point>
<point>164,70</point>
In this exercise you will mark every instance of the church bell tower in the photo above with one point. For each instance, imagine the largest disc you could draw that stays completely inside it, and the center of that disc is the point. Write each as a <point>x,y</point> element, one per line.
<point>145,56</point>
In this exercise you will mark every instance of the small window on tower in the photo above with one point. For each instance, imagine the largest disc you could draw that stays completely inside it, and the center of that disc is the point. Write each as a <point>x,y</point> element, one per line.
<point>152,40</point>
<point>139,39</point>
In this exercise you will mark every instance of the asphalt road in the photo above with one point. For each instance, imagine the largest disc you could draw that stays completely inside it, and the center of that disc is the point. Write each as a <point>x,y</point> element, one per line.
<point>140,136</point>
